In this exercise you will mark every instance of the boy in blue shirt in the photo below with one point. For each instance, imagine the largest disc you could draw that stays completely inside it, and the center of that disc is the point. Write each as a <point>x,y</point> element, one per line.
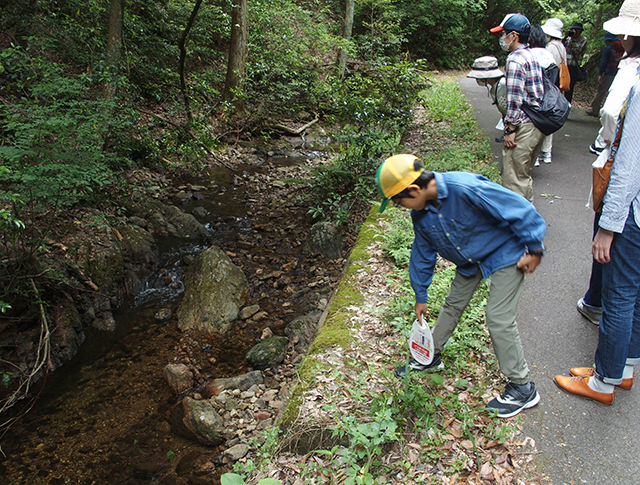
<point>487,231</point>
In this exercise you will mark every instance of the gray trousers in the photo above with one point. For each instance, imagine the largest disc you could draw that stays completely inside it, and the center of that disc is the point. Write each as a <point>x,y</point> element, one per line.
<point>506,286</point>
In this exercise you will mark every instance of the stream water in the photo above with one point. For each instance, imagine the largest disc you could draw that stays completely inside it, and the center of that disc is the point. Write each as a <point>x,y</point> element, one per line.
<point>104,417</point>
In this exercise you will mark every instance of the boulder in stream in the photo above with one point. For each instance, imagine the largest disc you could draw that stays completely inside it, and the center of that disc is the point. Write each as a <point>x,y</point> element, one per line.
<point>215,289</point>
<point>324,238</point>
<point>202,421</point>
<point>268,352</point>
<point>242,382</point>
<point>179,377</point>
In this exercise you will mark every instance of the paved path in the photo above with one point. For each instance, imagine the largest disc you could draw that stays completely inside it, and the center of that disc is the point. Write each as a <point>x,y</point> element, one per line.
<point>579,440</point>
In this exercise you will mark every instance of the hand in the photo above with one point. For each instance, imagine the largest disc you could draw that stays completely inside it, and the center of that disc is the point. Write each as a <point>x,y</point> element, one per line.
<point>510,140</point>
<point>422,312</point>
<point>601,246</point>
<point>529,262</point>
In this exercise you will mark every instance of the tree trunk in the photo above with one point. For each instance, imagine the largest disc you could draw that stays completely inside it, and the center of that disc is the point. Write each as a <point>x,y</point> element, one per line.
<point>183,56</point>
<point>115,40</point>
<point>346,35</point>
<point>234,83</point>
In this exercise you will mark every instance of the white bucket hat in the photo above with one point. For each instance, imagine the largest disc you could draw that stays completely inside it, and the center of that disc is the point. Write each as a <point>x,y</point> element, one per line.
<point>485,68</point>
<point>553,28</point>
<point>628,20</point>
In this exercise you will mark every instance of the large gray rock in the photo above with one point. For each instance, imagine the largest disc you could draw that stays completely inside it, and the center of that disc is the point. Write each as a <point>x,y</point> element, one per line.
<point>215,289</point>
<point>242,382</point>
<point>169,220</point>
<point>179,377</point>
<point>324,238</point>
<point>268,352</point>
<point>202,421</point>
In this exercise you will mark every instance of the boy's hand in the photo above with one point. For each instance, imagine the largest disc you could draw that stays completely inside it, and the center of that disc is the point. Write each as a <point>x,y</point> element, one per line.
<point>529,262</point>
<point>421,311</point>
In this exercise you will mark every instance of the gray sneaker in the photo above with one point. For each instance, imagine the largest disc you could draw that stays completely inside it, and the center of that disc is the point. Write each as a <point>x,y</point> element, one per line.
<point>514,399</point>
<point>590,313</point>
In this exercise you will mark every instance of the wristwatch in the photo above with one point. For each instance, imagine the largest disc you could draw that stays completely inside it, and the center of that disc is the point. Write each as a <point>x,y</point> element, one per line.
<point>508,131</point>
<point>536,252</point>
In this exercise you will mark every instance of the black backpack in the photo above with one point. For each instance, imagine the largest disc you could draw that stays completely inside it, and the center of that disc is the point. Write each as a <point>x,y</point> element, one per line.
<point>553,111</point>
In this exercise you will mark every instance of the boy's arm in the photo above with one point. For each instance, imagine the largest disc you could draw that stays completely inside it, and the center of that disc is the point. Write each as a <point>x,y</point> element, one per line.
<point>421,265</point>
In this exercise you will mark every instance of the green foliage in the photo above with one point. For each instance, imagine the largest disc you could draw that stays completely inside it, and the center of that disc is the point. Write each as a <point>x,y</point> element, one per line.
<point>377,34</point>
<point>446,33</point>
<point>234,479</point>
<point>399,237</point>
<point>383,95</point>
<point>53,131</point>
<point>366,441</point>
<point>287,46</point>
<point>348,179</point>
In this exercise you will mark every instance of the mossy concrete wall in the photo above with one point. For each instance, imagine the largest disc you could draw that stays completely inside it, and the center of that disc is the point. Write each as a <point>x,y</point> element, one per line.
<point>335,333</point>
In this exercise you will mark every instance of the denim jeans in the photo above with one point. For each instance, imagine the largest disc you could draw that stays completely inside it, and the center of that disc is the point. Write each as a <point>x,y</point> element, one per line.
<point>619,341</point>
<point>593,297</point>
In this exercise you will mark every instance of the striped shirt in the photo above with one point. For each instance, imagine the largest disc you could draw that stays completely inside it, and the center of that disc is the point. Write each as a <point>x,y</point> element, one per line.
<point>524,84</point>
<point>623,191</point>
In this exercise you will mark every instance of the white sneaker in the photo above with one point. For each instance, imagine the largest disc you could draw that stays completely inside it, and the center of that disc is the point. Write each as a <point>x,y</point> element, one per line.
<point>545,157</point>
<point>537,164</point>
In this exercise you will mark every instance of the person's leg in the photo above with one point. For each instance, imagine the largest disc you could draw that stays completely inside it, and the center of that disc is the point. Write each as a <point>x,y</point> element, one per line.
<point>618,325</point>
<point>506,286</point>
<point>601,93</point>
<point>460,294</point>
<point>518,161</point>
<point>593,297</point>
<point>573,71</point>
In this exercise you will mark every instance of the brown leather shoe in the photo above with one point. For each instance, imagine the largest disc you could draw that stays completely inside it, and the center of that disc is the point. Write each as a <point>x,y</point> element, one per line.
<point>589,371</point>
<point>579,386</point>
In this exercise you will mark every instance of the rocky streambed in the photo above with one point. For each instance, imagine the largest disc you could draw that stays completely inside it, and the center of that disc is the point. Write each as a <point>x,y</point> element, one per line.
<point>130,406</point>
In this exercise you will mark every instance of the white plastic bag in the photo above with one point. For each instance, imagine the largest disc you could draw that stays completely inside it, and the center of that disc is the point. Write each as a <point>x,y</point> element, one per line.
<point>421,343</point>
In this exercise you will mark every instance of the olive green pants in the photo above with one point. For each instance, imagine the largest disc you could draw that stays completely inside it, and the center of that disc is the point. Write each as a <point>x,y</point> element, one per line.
<point>506,286</point>
<point>518,161</point>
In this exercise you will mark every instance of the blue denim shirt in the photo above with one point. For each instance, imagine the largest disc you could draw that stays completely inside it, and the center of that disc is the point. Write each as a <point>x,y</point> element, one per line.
<point>476,224</point>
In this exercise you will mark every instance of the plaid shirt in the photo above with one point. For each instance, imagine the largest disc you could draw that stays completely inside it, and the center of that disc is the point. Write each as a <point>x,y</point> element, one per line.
<point>524,84</point>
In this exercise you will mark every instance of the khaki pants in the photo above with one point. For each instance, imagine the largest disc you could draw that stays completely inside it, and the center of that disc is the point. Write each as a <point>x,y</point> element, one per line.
<point>518,161</point>
<point>506,286</point>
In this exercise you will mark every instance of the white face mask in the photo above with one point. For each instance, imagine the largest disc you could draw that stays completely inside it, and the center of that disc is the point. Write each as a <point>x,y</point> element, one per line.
<point>503,43</point>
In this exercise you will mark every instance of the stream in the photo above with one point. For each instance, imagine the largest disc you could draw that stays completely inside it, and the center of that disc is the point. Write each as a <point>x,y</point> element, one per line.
<point>105,417</point>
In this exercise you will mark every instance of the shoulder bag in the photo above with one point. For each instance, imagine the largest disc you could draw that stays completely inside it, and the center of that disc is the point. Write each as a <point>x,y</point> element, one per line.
<point>564,79</point>
<point>601,174</point>
<point>553,111</point>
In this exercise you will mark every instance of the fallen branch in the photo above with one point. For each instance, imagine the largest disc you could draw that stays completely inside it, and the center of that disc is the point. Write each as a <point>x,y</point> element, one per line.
<point>296,131</point>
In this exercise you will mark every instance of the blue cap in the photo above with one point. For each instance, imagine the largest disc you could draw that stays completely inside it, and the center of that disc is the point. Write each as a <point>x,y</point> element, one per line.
<point>513,21</point>
<point>609,36</point>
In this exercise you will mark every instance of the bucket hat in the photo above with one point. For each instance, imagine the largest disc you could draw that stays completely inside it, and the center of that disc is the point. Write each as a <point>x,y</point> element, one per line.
<point>513,21</point>
<point>485,68</point>
<point>553,28</point>
<point>394,175</point>
<point>609,36</point>
<point>577,25</point>
<point>628,20</point>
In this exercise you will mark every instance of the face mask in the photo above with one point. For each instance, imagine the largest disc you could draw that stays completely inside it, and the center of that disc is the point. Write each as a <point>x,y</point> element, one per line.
<point>503,44</point>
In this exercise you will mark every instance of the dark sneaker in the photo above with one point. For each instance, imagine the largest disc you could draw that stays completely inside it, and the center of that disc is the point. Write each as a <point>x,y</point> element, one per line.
<point>589,312</point>
<point>416,366</point>
<point>594,149</point>
<point>514,399</point>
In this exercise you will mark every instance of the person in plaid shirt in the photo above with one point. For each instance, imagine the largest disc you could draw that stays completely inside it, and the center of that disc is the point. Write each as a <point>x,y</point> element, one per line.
<point>522,140</point>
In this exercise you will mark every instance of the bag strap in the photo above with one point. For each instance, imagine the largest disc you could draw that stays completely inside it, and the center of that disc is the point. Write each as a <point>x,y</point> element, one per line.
<point>616,141</point>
